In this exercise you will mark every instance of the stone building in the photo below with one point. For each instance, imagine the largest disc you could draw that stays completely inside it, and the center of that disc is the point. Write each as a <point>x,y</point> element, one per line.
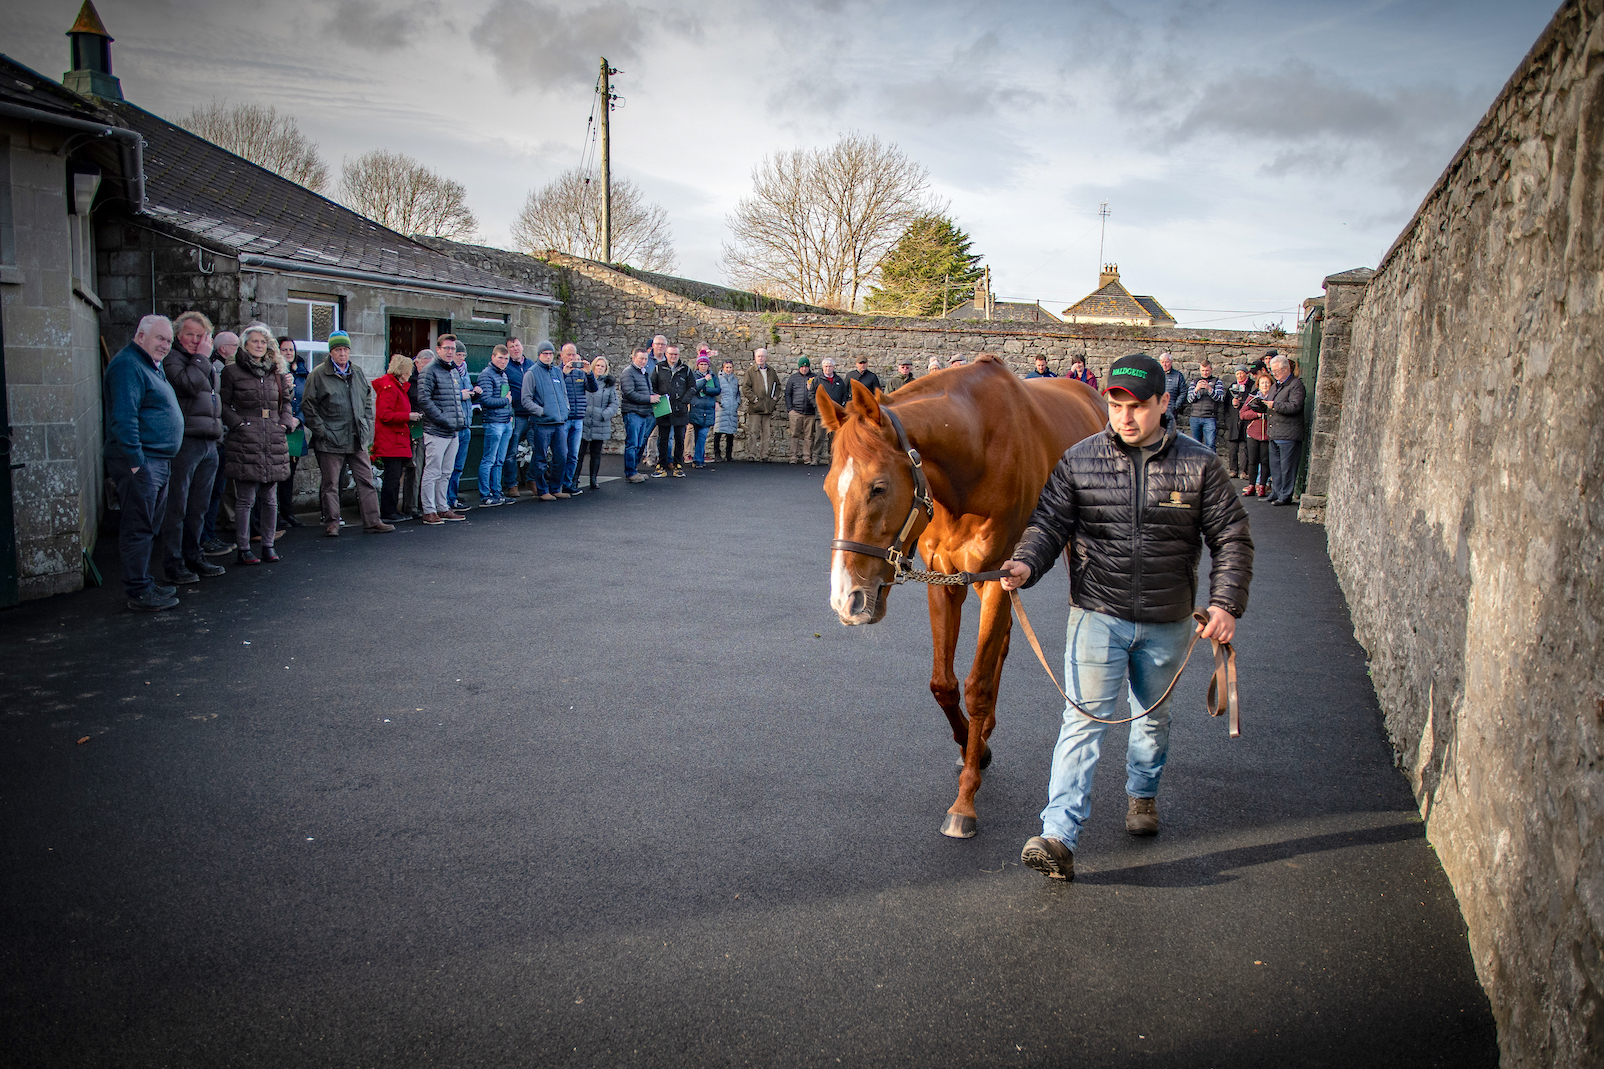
<point>61,159</point>
<point>112,213</point>
<point>1111,304</point>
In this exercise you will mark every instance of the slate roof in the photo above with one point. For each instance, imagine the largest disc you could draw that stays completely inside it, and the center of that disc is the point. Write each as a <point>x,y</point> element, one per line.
<point>1017,311</point>
<point>1161,317</point>
<point>222,198</point>
<point>1112,301</point>
<point>27,87</point>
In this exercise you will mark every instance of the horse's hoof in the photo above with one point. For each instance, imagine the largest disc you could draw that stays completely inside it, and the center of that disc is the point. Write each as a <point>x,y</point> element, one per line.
<point>958,826</point>
<point>985,760</point>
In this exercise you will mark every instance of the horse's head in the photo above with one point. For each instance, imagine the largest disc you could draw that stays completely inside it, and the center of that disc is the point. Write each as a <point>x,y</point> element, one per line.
<point>871,485</point>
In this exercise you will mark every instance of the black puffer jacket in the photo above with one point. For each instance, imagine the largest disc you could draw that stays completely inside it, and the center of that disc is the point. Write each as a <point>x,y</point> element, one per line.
<point>1141,566</point>
<point>440,400</point>
<point>195,380</point>
<point>675,381</point>
<point>801,394</point>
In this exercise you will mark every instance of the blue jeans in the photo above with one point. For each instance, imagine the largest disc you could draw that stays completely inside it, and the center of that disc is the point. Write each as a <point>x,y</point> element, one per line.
<point>1100,653</point>
<point>637,430</point>
<point>509,468</point>
<point>552,436</point>
<point>1205,430</point>
<point>1283,467</point>
<point>497,435</point>
<point>464,436</point>
<point>699,454</point>
<point>573,434</point>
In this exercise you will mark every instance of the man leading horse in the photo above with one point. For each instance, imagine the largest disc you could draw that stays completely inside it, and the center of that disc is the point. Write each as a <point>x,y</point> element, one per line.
<point>1134,504</point>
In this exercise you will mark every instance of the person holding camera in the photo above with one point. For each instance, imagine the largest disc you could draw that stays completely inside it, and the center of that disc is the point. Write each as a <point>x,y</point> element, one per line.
<point>1205,398</point>
<point>1236,428</point>
<point>1254,409</point>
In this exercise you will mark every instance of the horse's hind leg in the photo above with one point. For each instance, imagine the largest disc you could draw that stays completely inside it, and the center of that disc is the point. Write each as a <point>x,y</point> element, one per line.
<point>946,614</point>
<point>980,694</point>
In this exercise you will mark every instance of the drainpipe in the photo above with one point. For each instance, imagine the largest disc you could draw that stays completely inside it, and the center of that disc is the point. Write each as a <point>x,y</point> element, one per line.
<point>131,144</point>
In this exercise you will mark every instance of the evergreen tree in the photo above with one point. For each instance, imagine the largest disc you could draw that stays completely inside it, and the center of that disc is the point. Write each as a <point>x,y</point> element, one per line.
<point>929,268</point>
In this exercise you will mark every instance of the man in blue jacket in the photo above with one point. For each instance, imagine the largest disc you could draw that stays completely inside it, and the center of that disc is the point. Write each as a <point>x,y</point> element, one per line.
<point>638,415</point>
<point>545,400</point>
<point>144,430</point>
<point>579,381</point>
<point>517,368</point>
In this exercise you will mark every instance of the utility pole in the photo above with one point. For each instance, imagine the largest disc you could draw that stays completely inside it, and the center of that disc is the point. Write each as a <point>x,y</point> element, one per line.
<point>1102,210</point>
<point>606,161</point>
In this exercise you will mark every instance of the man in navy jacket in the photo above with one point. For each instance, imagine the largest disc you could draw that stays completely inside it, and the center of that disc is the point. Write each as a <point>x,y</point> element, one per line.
<point>144,430</point>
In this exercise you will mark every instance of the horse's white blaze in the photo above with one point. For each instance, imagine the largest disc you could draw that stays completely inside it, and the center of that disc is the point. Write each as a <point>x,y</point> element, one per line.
<point>843,483</point>
<point>841,581</point>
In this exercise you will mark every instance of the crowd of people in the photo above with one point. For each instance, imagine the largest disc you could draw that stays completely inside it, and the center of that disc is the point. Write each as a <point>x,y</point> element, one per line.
<point>205,430</point>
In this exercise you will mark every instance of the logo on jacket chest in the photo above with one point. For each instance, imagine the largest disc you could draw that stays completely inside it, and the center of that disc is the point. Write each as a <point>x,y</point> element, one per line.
<point>1174,501</point>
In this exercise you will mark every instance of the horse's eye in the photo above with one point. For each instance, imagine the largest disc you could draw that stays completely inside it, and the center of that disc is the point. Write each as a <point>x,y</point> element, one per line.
<point>876,490</point>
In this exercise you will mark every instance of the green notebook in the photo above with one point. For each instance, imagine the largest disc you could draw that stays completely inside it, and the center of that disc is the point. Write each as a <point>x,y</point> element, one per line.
<point>296,440</point>
<point>662,407</point>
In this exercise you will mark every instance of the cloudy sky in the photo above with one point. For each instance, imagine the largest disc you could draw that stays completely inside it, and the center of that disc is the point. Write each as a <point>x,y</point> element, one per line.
<point>1246,148</point>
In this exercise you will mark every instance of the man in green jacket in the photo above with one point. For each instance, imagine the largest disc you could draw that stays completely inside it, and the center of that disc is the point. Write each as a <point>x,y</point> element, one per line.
<point>338,409</point>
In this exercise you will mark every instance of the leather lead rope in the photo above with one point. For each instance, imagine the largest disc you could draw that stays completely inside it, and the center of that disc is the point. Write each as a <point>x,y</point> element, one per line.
<point>1222,697</point>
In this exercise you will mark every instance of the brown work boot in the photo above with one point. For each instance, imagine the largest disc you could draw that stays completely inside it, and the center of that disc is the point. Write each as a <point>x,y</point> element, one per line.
<point>380,528</point>
<point>1050,857</point>
<point>1141,817</point>
<point>331,530</point>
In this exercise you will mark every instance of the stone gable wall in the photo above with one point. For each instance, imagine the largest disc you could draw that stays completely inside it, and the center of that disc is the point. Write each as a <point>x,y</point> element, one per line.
<point>1466,526</point>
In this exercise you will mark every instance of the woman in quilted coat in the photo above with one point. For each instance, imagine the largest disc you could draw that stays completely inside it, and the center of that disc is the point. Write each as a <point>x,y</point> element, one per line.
<point>256,411</point>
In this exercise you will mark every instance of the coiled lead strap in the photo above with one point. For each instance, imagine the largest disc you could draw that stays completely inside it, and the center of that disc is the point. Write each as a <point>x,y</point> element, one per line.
<point>1222,696</point>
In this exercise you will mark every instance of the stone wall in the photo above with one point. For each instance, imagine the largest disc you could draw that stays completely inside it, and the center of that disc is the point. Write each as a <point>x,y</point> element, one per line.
<point>52,376</point>
<point>1466,525</point>
<point>1343,292</point>
<point>609,313</point>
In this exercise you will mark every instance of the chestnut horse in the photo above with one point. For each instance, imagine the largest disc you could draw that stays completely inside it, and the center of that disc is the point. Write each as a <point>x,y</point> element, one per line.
<point>983,442</point>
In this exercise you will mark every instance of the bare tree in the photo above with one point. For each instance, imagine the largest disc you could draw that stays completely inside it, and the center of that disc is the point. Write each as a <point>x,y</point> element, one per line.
<point>263,136</point>
<point>819,222</point>
<point>397,191</point>
<point>566,214</point>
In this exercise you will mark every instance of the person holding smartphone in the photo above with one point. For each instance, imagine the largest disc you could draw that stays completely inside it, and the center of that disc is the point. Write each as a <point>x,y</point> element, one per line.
<point>495,404</point>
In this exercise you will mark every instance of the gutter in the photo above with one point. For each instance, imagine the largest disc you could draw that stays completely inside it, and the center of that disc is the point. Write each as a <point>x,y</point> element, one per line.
<point>132,144</point>
<point>278,263</point>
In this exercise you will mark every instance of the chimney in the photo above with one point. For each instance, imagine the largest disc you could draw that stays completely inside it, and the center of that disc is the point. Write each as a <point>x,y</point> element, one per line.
<point>91,57</point>
<point>1110,271</point>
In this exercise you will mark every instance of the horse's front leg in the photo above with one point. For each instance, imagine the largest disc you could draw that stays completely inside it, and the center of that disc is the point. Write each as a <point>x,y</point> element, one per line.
<point>946,614</point>
<point>980,695</point>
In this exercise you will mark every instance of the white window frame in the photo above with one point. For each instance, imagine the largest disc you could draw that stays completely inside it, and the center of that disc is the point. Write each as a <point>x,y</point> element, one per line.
<point>306,303</point>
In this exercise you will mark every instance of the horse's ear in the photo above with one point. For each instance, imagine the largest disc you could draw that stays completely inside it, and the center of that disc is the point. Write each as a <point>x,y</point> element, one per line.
<point>865,403</point>
<point>831,414</point>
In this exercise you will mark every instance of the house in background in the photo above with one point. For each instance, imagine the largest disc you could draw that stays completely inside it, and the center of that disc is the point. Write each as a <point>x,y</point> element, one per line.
<point>1113,304</point>
<point>985,305</point>
<point>109,213</point>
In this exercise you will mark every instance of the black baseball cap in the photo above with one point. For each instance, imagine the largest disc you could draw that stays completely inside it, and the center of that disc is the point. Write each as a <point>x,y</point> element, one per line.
<point>1138,375</point>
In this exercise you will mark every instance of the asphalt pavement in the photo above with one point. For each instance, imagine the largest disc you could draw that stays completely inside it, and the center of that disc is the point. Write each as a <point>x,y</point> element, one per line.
<point>603,782</point>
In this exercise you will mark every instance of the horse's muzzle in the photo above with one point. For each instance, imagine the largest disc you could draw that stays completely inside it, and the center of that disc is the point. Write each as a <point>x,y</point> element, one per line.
<point>863,605</point>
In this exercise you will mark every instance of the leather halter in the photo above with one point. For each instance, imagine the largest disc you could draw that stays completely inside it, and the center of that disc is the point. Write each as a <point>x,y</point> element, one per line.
<point>898,552</point>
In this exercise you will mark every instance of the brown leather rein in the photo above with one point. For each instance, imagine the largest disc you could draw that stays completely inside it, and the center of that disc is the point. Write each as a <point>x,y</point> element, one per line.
<point>1222,696</point>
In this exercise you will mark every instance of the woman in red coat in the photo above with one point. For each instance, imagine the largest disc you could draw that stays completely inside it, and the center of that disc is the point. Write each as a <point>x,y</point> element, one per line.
<point>392,432</point>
